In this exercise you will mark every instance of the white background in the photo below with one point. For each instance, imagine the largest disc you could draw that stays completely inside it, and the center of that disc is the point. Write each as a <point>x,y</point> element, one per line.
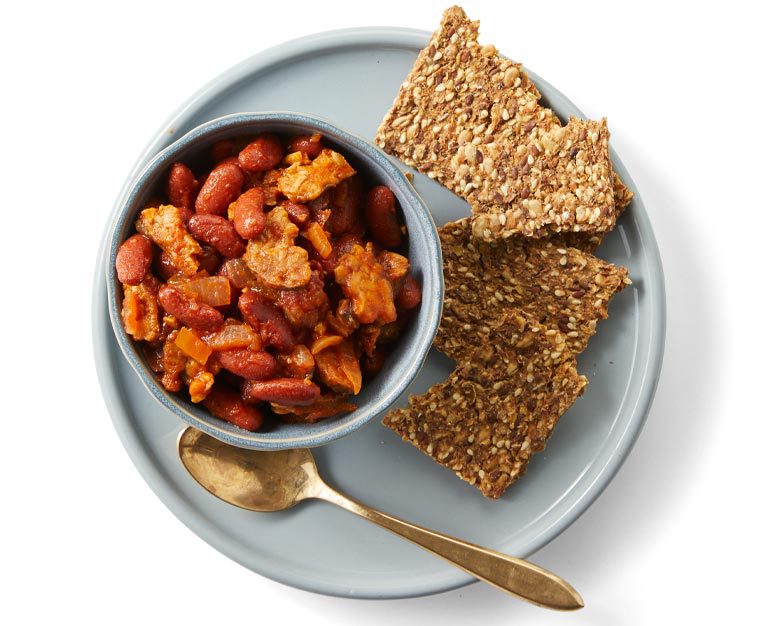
<point>681,533</point>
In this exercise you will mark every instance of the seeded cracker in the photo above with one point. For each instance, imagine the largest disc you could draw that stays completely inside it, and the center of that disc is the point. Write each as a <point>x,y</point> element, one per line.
<point>472,120</point>
<point>498,406</point>
<point>563,288</point>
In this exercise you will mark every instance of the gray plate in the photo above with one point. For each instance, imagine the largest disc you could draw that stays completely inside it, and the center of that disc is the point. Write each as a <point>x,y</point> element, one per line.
<point>351,77</point>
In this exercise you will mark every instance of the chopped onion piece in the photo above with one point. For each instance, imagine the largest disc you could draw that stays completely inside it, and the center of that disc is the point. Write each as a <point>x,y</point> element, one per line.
<point>233,335</point>
<point>211,290</point>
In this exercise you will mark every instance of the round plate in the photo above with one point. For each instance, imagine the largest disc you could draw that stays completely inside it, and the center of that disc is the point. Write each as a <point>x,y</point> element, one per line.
<point>351,77</point>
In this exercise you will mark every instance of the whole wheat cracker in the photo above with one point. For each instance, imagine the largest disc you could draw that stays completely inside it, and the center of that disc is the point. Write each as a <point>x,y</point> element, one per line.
<point>499,405</point>
<point>472,120</point>
<point>563,288</point>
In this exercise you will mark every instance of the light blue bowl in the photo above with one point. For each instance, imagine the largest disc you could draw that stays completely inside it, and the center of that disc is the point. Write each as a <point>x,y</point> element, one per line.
<point>422,247</point>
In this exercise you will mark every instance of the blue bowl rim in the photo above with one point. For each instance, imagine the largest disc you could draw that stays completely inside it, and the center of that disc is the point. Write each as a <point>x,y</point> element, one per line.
<point>409,199</point>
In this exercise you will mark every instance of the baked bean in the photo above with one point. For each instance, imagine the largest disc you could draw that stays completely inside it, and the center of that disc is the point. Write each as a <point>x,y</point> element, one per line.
<point>298,213</point>
<point>381,218</point>
<point>222,150</point>
<point>181,186</point>
<point>133,259</point>
<point>222,186</point>
<point>410,294</point>
<point>229,406</point>
<point>262,154</point>
<point>191,313</point>
<point>346,203</point>
<point>248,364</point>
<point>209,260</point>
<point>218,232</point>
<point>287,391</point>
<point>309,144</point>
<point>264,316</point>
<point>248,215</point>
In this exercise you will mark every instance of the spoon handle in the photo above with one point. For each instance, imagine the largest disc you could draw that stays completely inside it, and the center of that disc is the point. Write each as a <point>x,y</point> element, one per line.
<point>515,576</point>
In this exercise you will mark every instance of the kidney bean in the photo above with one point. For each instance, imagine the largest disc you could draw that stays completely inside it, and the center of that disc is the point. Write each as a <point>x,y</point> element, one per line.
<point>229,406</point>
<point>194,314</point>
<point>298,213</point>
<point>346,202</point>
<point>133,259</point>
<point>181,186</point>
<point>248,213</point>
<point>222,186</point>
<point>222,150</point>
<point>345,244</point>
<point>410,294</point>
<point>288,391</point>
<point>262,154</point>
<point>185,215</point>
<point>262,314</point>
<point>209,260</point>
<point>218,232</point>
<point>248,364</point>
<point>381,218</point>
<point>163,266</point>
<point>309,144</point>
<point>233,160</point>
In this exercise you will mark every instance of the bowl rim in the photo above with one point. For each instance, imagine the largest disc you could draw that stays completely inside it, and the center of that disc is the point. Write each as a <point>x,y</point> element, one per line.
<point>409,364</point>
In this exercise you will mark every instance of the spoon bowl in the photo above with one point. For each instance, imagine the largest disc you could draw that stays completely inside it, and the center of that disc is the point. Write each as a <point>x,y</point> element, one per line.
<point>275,481</point>
<point>250,479</point>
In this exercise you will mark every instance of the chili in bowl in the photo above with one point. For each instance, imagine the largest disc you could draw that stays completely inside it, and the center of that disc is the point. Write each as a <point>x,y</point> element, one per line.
<point>273,280</point>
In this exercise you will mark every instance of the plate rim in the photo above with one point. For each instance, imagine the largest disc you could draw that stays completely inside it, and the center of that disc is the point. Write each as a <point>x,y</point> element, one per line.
<point>176,501</point>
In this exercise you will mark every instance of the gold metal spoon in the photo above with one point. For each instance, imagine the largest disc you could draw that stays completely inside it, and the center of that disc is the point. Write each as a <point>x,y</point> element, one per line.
<point>274,481</point>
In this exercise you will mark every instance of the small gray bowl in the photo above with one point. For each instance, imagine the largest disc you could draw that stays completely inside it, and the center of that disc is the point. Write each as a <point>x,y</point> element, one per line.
<point>422,247</point>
